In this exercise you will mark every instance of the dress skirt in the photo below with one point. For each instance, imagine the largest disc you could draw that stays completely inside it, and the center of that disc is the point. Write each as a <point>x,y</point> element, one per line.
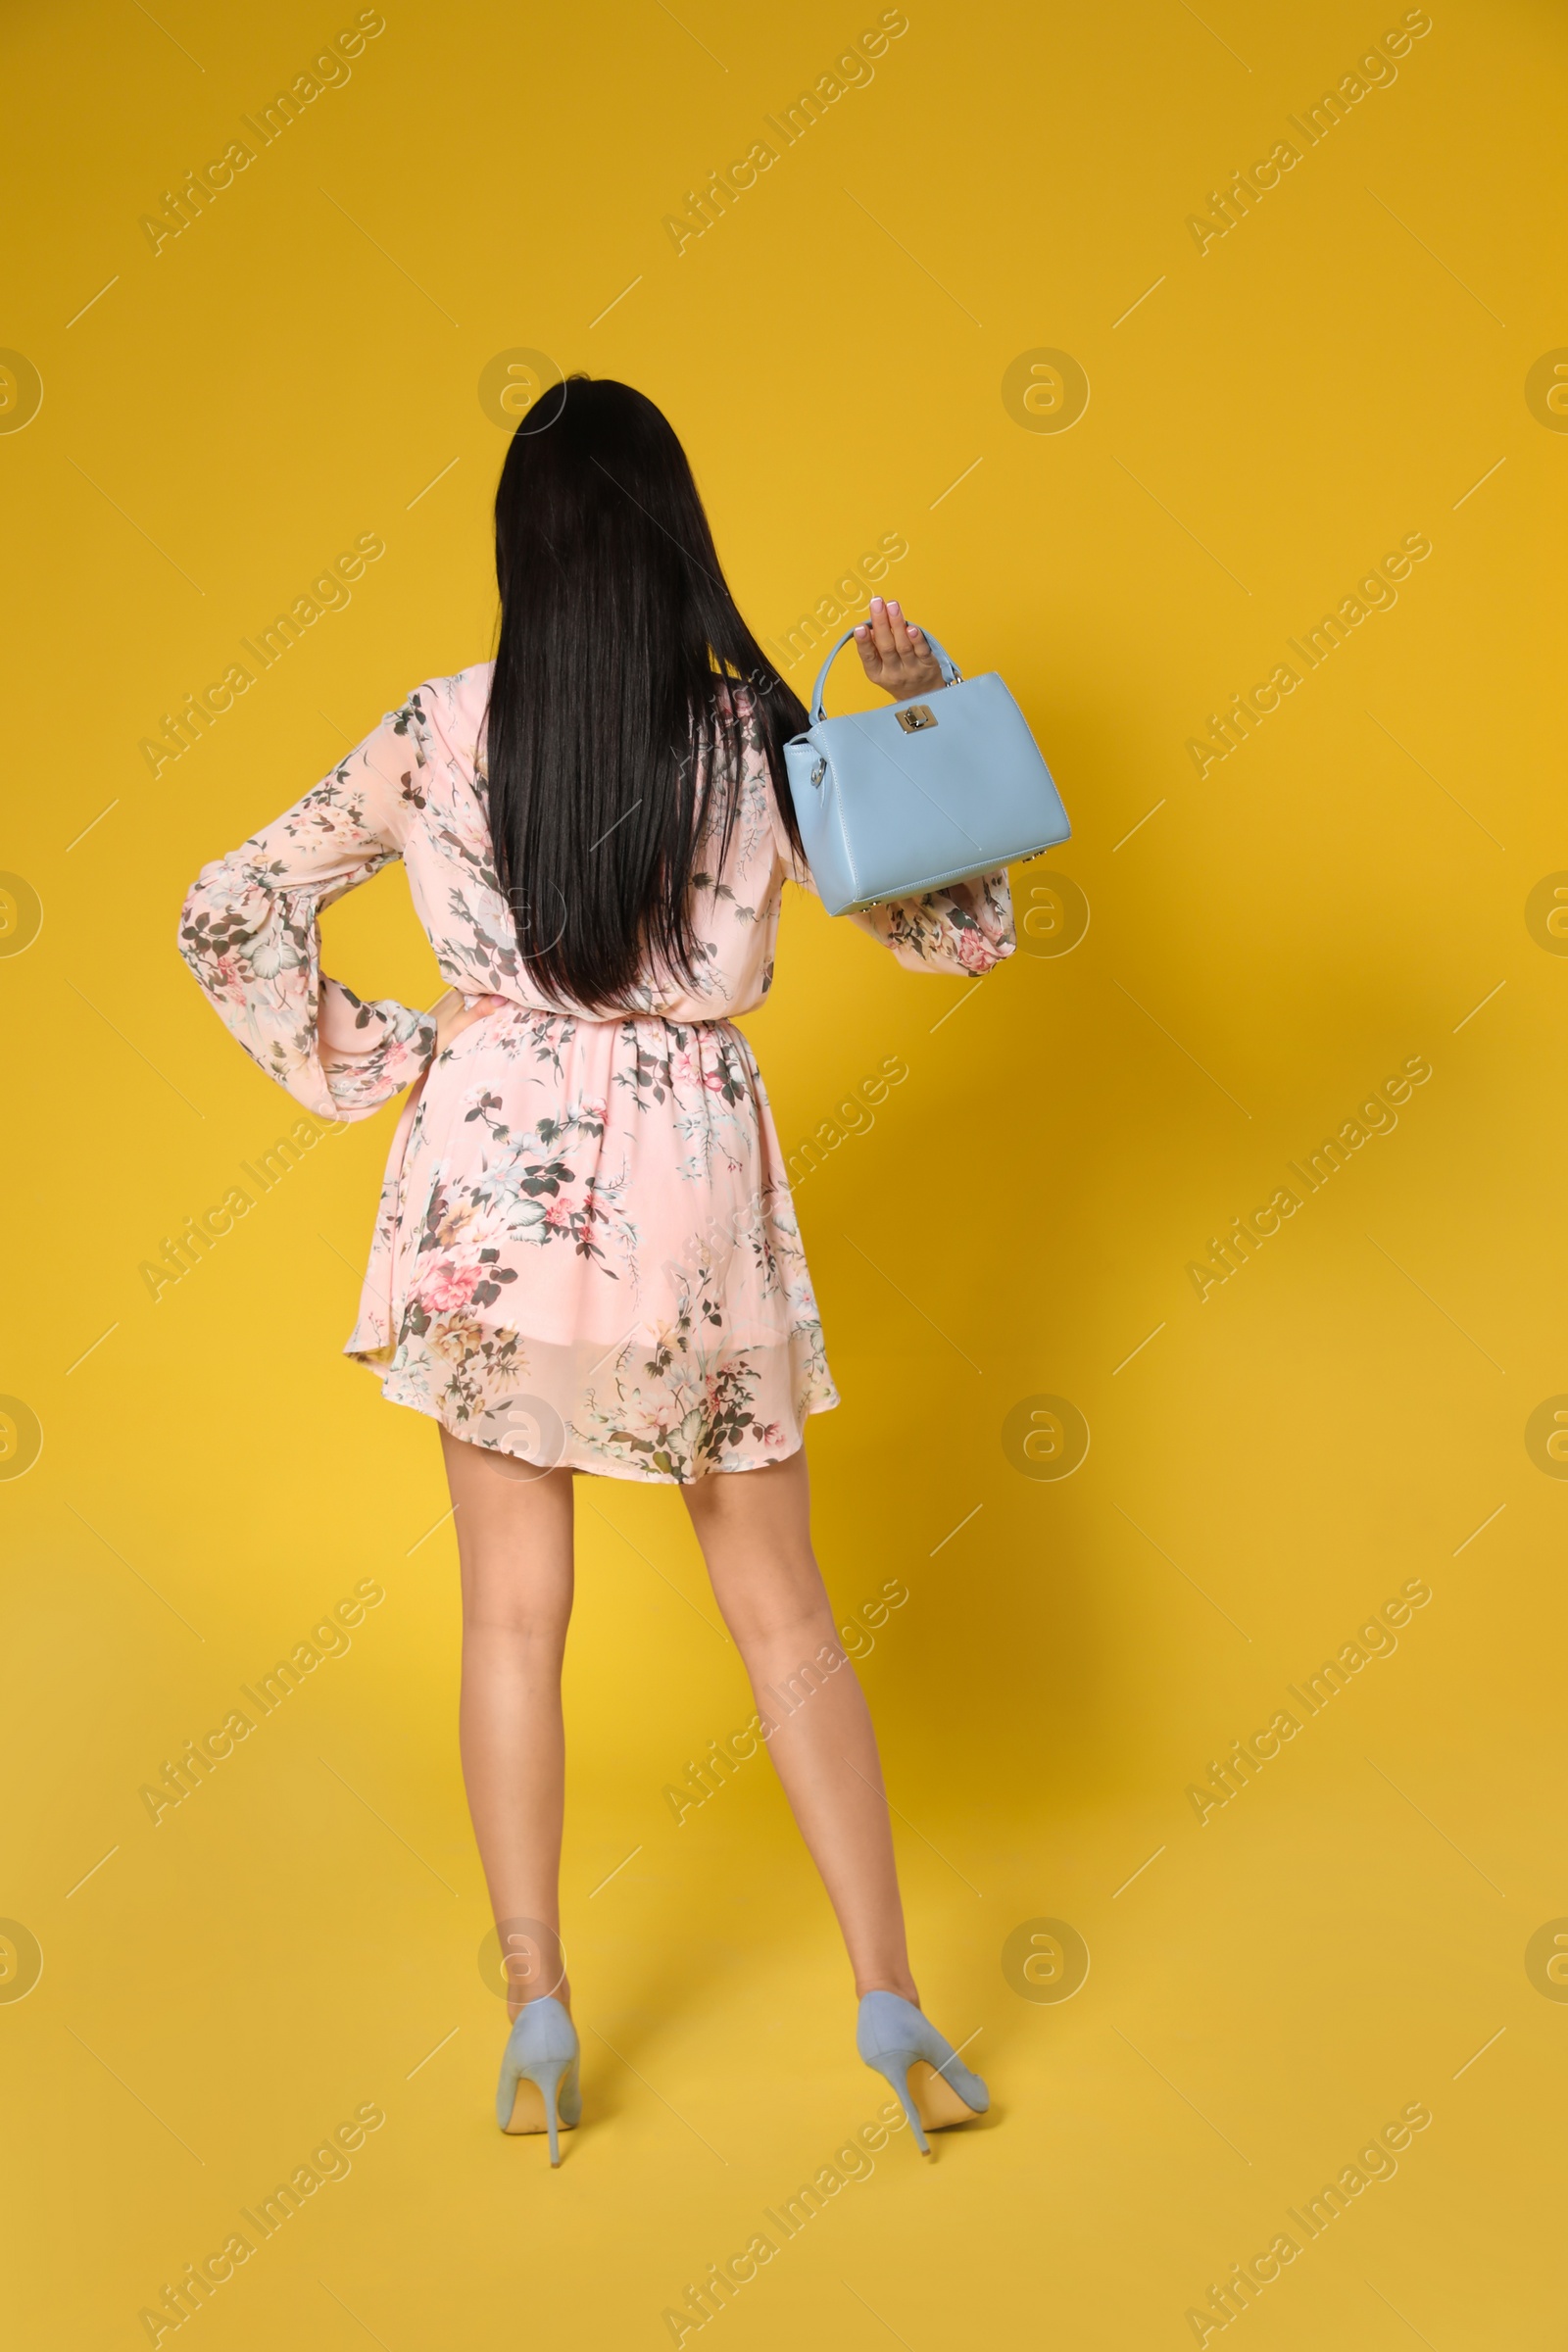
<point>586,1253</point>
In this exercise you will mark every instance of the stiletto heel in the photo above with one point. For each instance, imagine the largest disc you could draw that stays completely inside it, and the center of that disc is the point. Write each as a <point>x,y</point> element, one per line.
<point>935,2090</point>
<point>539,2074</point>
<point>896,2064</point>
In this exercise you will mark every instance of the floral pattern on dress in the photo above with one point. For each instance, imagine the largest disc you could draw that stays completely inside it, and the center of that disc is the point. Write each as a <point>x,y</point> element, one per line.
<point>585,1248</point>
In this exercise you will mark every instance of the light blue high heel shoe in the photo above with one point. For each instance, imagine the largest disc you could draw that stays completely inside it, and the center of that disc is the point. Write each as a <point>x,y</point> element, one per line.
<point>934,2090</point>
<point>539,2073</point>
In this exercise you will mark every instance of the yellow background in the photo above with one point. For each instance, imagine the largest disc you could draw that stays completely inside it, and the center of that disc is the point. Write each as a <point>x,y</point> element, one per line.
<point>1335,1944</point>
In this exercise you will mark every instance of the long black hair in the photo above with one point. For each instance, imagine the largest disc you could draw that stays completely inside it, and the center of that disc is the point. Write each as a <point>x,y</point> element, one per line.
<point>625,682</point>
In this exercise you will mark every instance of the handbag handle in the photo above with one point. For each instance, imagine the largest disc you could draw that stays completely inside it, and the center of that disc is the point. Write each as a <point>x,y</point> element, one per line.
<point>945,661</point>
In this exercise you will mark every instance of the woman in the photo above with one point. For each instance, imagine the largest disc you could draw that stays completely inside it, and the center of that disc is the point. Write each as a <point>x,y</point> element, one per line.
<point>586,1257</point>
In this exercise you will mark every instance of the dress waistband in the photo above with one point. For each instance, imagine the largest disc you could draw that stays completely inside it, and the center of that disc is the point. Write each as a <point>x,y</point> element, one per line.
<point>595,1020</point>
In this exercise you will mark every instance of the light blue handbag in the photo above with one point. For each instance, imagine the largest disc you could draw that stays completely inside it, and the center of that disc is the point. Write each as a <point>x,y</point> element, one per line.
<point>894,801</point>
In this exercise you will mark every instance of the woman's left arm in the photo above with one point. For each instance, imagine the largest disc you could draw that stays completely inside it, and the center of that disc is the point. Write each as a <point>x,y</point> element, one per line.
<point>968,926</point>
<point>250,931</point>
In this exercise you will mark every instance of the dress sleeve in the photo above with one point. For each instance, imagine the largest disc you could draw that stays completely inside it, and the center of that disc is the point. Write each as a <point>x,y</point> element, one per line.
<point>250,931</point>
<point>965,928</point>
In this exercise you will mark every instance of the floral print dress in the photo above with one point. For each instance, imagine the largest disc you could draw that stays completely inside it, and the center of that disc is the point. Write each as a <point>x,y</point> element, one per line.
<point>586,1253</point>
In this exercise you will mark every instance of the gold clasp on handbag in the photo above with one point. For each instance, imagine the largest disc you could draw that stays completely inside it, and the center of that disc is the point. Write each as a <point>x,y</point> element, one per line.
<point>917,718</point>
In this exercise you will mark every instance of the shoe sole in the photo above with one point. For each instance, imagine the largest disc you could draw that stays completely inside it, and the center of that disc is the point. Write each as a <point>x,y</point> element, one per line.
<point>529,2109</point>
<point>935,2102</point>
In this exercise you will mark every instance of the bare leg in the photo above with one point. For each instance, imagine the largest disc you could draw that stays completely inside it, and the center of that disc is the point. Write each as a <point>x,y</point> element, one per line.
<point>514,1543</point>
<point>755,1529</point>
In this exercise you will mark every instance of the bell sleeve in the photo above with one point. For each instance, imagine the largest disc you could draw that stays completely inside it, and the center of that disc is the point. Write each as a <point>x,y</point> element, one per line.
<point>965,928</point>
<point>250,931</point>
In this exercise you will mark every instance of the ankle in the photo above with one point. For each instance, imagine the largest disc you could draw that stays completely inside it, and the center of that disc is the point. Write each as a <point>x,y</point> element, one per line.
<point>561,1992</point>
<point>889,1981</point>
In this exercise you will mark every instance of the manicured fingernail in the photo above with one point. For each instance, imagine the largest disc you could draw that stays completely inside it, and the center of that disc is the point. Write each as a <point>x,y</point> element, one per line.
<point>875,601</point>
<point>860,629</point>
<point>894,605</point>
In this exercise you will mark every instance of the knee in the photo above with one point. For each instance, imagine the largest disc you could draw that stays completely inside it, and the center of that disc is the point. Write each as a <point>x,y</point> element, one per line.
<point>497,1605</point>
<point>800,1628</point>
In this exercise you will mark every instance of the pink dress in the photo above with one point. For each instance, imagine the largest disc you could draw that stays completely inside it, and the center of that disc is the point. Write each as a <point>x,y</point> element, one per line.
<point>586,1252</point>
